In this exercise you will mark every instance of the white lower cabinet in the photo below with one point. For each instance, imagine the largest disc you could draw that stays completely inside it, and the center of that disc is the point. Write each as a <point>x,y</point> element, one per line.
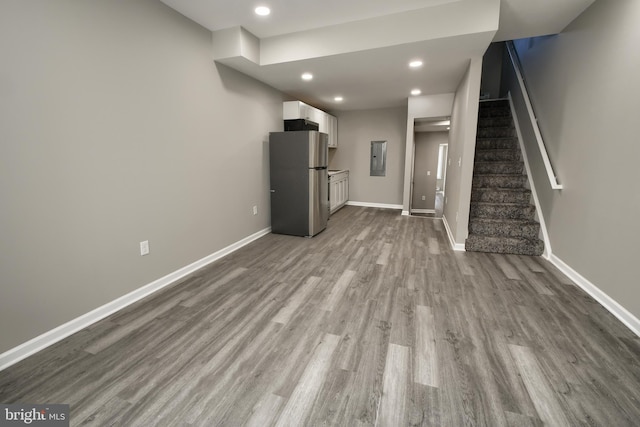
<point>338,190</point>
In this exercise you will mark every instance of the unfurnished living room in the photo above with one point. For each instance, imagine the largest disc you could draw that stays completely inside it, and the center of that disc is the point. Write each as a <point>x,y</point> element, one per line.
<point>476,261</point>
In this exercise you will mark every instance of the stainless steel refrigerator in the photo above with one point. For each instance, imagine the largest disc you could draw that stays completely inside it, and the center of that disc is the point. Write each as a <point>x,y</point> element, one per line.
<point>299,182</point>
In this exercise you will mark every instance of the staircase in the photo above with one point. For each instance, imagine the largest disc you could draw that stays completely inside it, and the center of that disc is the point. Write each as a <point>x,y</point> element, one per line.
<point>501,218</point>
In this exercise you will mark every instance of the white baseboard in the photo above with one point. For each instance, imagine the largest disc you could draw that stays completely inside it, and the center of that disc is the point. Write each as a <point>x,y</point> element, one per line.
<point>455,246</point>
<point>423,211</point>
<point>405,213</point>
<point>621,313</point>
<point>51,337</point>
<point>374,205</point>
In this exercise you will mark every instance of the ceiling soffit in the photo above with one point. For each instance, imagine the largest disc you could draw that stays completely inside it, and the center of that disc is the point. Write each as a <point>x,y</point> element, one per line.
<point>432,23</point>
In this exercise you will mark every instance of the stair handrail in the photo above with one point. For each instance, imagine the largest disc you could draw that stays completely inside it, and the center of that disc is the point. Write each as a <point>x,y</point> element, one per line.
<point>517,67</point>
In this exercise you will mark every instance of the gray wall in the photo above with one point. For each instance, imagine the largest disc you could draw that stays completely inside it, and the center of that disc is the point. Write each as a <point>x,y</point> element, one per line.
<point>585,89</point>
<point>492,70</point>
<point>356,130</point>
<point>426,159</point>
<point>462,142</point>
<point>117,127</point>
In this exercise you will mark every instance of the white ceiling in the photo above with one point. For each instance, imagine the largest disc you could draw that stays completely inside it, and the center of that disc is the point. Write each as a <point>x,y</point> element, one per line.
<point>359,49</point>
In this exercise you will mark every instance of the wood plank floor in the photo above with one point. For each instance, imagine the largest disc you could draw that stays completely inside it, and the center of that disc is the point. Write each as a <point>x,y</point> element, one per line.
<point>373,322</point>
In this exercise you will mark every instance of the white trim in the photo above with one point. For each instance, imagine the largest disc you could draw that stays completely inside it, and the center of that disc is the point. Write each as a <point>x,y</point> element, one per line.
<point>534,121</point>
<point>51,337</point>
<point>543,226</point>
<point>423,211</point>
<point>405,213</point>
<point>628,319</point>
<point>455,246</point>
<point>374,205</point>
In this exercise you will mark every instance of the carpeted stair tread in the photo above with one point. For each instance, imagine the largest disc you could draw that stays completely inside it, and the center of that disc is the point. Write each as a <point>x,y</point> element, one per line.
<point>499,181</point>
<point>496,132</point>
<point>484,138</point>
<point>504,245</point>
<point>504,227</point>
<point>498,168</point>
<point>501,190</point>
<point>495,108</point>
<point>502,174</point>
<point>500,195</point>
<point>485,122</point>
<point>497,143</point>
<point>494,113</point>
<point>504,103</point>
<point>498,155</point>
<point>501,210</point>
<point>485,113</point>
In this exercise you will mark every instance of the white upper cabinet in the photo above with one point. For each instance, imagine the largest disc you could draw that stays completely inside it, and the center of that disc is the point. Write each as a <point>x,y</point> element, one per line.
<point>332,126</point>
<point>296,110</point>
<point>326,122</point>
<point>320,117</point>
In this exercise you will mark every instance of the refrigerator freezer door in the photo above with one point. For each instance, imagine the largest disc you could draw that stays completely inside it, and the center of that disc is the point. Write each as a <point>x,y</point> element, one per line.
<point>318,200</point>
<point>318,150</point>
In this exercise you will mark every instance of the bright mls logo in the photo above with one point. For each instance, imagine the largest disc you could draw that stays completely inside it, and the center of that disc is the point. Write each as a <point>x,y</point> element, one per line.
<point>34,415</point>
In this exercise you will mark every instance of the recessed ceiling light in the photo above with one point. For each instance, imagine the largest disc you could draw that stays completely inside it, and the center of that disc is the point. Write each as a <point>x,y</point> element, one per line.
<point>307,76</point>
<point>415,64</point>
<point>416,92</point>
<point>338,99</point>
<point>262,10</point>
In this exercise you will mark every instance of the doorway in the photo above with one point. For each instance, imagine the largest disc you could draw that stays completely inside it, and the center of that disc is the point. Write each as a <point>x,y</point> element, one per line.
<point>441,177</point>
<point>431,141</point>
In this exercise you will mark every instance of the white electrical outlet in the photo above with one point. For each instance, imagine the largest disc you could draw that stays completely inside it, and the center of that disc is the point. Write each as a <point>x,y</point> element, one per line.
<point>424,197</point>
<point>144,248</point>
<point>428,173</point>
<point>255,210</point>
